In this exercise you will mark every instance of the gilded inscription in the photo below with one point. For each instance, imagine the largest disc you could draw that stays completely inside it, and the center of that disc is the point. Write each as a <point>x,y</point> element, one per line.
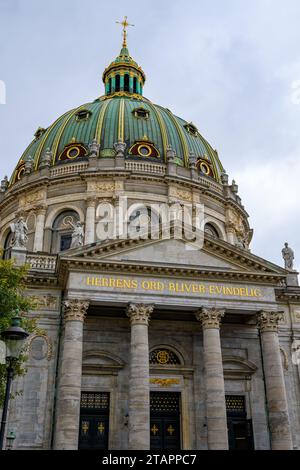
<point>173,287</point>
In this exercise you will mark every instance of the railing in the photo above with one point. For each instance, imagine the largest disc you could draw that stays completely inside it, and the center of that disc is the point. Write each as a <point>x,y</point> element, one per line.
<point>211,184</point>
<point>145,167</point>
<point>41,262</point>
<point>69,169</point>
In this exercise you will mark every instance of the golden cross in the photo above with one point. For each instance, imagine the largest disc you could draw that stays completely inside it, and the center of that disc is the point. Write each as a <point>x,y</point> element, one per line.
<point>154,429</point>
<point>85,427</point>
<point>101,428</point>
<point>170,429</point>
<point>125,25</point>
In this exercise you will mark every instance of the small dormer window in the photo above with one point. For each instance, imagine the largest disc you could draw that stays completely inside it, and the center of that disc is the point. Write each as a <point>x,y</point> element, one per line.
<point>141,113</point>
<point>40,131</point>
<point>192,129</point>
<point>83,115</point>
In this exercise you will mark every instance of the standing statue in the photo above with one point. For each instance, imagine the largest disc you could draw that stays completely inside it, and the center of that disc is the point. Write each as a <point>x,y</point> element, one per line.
<point>19,230</point>
<point>288,256</point>
<point>77,235</point>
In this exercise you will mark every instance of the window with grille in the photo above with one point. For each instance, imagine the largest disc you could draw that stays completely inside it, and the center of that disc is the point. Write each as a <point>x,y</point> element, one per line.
<point>235,404</point>
<point>164,402</point>
<point>94,400</point>
<point>163,357</point>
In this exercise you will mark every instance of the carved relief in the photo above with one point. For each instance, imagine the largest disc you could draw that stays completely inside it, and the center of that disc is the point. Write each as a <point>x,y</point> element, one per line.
<point>44,348</point>
<point>32,198</point>
<point>46,302</point>
<point>101,186</point>
<point>210,317</point>
<point>296,315</point>
<point>181,194</point>
<point>164,382</point>
<point>139,313</point>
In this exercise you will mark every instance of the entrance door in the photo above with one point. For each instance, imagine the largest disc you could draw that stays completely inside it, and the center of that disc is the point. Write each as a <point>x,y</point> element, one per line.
<point>94,421</point>
<point>240,435</point>
<point>164,420</point>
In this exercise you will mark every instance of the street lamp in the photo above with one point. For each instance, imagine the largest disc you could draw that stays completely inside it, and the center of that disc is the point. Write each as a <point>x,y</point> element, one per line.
<point>14,338</point>
<point>10,440</point>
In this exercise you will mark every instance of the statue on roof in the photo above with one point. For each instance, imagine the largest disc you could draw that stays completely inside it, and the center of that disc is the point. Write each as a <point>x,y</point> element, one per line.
<point>77,235</point>
<point>288,256</point>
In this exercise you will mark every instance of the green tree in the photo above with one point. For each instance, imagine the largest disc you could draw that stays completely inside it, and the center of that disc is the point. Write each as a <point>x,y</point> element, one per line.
<point>13,300</point>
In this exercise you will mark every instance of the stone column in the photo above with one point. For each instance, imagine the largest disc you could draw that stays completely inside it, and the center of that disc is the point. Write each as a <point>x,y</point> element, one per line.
<point>69,378</point>
<point>279,422</point>
<point>90,221</point>
<point>217,434</point>
<point>39,229</point>
<point>139,393</point>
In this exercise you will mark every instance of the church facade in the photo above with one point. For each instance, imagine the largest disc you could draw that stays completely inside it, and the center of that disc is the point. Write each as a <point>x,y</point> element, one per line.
<point>146,342</point>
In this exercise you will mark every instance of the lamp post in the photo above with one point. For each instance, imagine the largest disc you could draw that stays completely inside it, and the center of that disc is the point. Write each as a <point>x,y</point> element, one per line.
<point>14,338</point>
<point>10,440</point>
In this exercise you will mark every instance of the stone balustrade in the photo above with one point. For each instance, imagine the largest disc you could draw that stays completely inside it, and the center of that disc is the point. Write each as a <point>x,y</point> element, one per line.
<point>41,262</point>
<point>144,167</point>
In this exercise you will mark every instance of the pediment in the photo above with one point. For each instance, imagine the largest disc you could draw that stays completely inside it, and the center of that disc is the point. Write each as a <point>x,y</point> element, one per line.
<point>100,362</point>
<point>175,254</point>
<point>171,252</point>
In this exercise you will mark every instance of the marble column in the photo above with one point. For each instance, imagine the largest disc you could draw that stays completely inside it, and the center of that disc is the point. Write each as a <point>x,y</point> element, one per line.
<point>139,392</point>
<point>38,244</point>
<point>69,378</point>
<point>279,422</point>
<point>217,435</point>
<point>90,221</point>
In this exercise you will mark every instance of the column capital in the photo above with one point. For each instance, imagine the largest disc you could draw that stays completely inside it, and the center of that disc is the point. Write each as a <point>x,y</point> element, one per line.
<point>210,317</point>
<point>91,201</point>
<point>75,310</point>
<point>139,313</point>
<point>268,321</point>
<point>40,209</point>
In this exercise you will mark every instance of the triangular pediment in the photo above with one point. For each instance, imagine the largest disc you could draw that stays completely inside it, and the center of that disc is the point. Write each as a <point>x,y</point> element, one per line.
<point>174,253</point>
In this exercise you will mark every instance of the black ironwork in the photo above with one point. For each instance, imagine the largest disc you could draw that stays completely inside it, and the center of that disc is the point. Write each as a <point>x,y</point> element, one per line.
<point>240,433</point>
<point>164,420</point>
<point>163,357</point>
<point>94,421</point>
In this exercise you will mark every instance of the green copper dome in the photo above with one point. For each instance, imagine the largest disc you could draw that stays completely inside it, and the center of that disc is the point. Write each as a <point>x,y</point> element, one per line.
<point>121,115</point>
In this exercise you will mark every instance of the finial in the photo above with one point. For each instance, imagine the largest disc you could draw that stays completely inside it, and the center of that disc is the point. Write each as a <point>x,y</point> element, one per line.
<point>125,25</point>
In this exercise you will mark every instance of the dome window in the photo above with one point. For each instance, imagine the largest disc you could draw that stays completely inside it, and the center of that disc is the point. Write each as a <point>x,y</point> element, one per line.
<point>134,85</point>
<point>144,149</point>
<point>204,166</point>
<point>192,129</point>
<point>141,113</point>
<point>118,83</point>
<point>126,82</point>
<point>83,115</point>
<point>72,152</point>
<point>20,171</point>
<point>40,131</point>
<point>211,231</point>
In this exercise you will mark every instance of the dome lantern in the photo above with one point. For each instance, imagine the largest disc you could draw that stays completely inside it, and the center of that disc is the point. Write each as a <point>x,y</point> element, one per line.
<point>123,76</point>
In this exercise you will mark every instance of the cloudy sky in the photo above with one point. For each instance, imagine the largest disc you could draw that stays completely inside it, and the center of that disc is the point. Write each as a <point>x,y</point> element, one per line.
<point>230,66</point>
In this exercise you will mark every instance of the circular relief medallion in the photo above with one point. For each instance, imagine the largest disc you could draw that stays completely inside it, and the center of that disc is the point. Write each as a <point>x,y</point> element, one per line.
<point>162,357</point>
